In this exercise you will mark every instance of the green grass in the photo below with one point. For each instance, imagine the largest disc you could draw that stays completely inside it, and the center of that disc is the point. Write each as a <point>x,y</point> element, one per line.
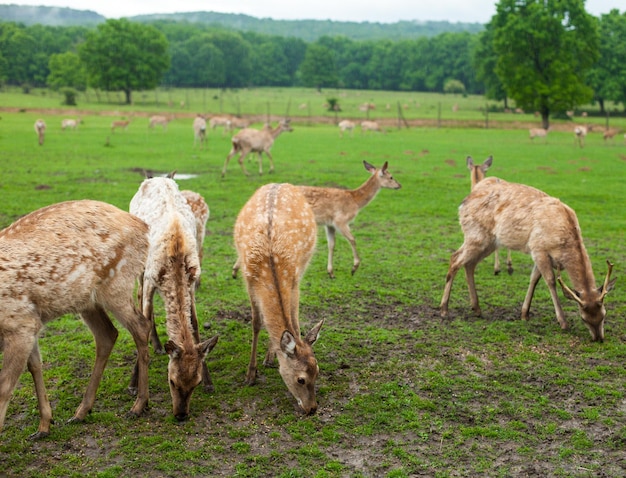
<point>401,391</point>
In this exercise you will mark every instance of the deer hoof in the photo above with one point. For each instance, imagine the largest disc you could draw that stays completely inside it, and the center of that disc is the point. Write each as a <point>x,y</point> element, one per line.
<point>38,435</point>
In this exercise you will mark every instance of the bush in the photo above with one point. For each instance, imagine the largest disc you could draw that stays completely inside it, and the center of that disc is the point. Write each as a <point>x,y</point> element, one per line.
<point>70,95</point>
<point>454,86</point>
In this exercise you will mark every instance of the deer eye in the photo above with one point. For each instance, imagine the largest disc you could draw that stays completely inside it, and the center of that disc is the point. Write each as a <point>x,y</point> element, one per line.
<point>301,381</point>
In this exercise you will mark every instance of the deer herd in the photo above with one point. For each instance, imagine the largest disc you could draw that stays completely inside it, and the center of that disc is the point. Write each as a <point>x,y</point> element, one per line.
<point>93,259</point>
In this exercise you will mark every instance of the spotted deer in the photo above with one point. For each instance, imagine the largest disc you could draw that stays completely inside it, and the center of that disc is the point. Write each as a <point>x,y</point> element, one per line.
<point>172,268</point>
<point>40,129</point>
<point>519,217</point>
<point>79,257</point>
<point>477,173</point>
<point>250,140</point>
<point>275,235</point>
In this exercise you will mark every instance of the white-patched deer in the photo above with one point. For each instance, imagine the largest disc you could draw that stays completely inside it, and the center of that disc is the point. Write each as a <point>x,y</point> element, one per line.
<point>172,268</point>
<point>275,235</point>
<point>199,131</point>
<point>40,129</point>
<point>519,217</point>
<point>73,257</point>
<point>477,173</point>
<point>538,133</point>
<point>580,132</point>
<point>201,212</point>
<point>256,141</point>
<point>336,208</point>
<point>346,125</point>
<point>223,121</point>
<point>69,123</point>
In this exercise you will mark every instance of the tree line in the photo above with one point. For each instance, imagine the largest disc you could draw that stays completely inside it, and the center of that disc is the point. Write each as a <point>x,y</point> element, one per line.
<point>546,56</point>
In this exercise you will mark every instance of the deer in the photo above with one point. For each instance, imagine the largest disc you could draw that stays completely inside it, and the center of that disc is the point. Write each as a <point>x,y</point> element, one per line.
<point>336,208</point>
<point>346,125</point>
<point>80,257</point>
<point>581,132</point>
<point>201,213</point>
<point>275,236</point>
<point>477,173</point>
<point>370,126</point>
<point>250,140</point>
<point>40,129</point>
<point>609,134</point>
<point>119,124</point>
<point>199,131</point>
<point>69,123</point>
<point>223,121</point>
<point>520,217</point>
<point>172,268</point>
<point>538,133</point>
<point>155,120</point>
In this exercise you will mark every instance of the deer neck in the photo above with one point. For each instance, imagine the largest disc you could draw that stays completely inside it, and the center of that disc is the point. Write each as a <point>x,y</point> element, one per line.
<point>276,132</point>
<point>579,270</point>
<point>367,191</point>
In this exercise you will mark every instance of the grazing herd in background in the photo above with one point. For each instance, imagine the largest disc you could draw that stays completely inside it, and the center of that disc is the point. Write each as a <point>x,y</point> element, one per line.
<point>86,257</point>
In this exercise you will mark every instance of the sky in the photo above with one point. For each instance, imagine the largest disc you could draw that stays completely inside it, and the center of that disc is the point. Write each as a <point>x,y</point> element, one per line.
<point>386,11</point>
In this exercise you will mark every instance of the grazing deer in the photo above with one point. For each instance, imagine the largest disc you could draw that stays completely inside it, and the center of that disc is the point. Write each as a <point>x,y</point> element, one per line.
<point>370,126</point>
<point>40,129</point>
<point>525,219</point>
<point>224,121</point>
<point>172,268</point>
<point>199,131</point>
<point>581,132</point>
<point>162,121</point>
<point>346,125</point>
<point>538,133</point>
<point>69,123</point>
<point>256,141</point>
<point>609,134</point>
<point>119,124</point>
<point>336,208</point>
<point>238,123</point>
<point>477,173</point>
<point>72,257</point>
<point>201,213</point>
<point>275,237</point>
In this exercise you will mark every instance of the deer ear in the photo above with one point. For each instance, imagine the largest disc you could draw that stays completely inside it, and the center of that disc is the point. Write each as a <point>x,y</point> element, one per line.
<point>609,287</point>
<point>171,175</point>
<point>205,347</point>
<point>288,344</point>
<point>369,167</point>
<point>470,162</point>
<point>172,349</point>
<point>487,163</point>
<point>384,168</point>
<point>314,333</point>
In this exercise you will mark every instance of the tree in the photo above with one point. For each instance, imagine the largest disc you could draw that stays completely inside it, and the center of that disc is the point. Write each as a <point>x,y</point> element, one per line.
<point>545,49</point>
<point>484,60</point>
<point>318,67</point>
<point>608,76</point>
<point>126,56</point>
<point>66,70</point>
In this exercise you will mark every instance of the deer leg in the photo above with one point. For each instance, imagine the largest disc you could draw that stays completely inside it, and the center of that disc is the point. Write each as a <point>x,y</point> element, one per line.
<point>148,312</point>
<point>535,275</point>
<point>330,238</point>
<point>256,328</point>
<point>236,268</point>
<point>260,155</point>
<point>345,231</point>
<point>269,156</point>
<point>206,376</point>
<point>547,272</point>
<point>17,350</point>
<point>105,335</point>
<point>496,262</point>
<point>230,155</point>
<point>470,267</point>
<point>509,262</point>
<point>243,166</point>
<point>45,410</point>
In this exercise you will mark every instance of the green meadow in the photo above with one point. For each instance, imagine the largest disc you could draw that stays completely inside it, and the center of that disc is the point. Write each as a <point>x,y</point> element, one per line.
<point>401,392</point>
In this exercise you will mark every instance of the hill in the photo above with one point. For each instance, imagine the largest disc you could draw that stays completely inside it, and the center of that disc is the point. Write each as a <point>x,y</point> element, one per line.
<point>308,30</point>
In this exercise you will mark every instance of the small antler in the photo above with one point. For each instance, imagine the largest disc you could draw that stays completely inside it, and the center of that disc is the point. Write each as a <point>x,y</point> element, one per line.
<point>566,290</point>
<point>605,287</point>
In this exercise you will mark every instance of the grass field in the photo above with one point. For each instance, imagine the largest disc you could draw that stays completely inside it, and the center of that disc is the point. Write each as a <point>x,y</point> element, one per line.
<point>401,391</point>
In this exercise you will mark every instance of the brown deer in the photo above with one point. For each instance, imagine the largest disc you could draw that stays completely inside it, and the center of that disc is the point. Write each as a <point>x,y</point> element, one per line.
<point>201,212</point>
<point>199,131</point>
<point>523,218</point>
<point>370,126</point>
<point>538,133</point>
<point>336,208</point>
<point>223,121</point>
<point>609,134</point>
<point>73,257</point>
<point>477,173</point>
<point>275,235</point>
<point>172,268</point>
<point>40,129</point>
<point>119,124</point>
<point>250,140</point>
<point>159,120</point>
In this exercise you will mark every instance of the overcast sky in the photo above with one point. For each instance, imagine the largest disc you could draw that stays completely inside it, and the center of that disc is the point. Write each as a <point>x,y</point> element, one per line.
<point>343,10</point>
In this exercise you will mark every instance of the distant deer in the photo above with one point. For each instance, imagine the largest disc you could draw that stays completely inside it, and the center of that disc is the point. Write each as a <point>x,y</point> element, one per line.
<point>256,141</point>
<point>172,268</point>
<point>69,123</point>
<point>40,129</point>
<point>223,121</point>
<point>201,213</point>
<point>73,257</point>
<point>609,134</point>
<point>370,126</point>
<point>275,237</point>
<point>336,208</point>
<point>159,120</point>
<point>477,173</point>
<point>581,132</point>
<point>119,124</point>
<point>525,219</point>
<point>199,131</point>
<point>346,125</point>
<point>538,133</point>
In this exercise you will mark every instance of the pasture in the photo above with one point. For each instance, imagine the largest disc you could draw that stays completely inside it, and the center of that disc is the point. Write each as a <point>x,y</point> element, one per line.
<point>401,392</point>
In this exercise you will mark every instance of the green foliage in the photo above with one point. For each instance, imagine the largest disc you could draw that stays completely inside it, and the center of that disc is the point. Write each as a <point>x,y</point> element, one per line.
<point>126,56</point>
<point>70,95</point>
<point>454,87</point>
<point>545,50</point>
<point>318,67</point>
<point>66,70</point>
